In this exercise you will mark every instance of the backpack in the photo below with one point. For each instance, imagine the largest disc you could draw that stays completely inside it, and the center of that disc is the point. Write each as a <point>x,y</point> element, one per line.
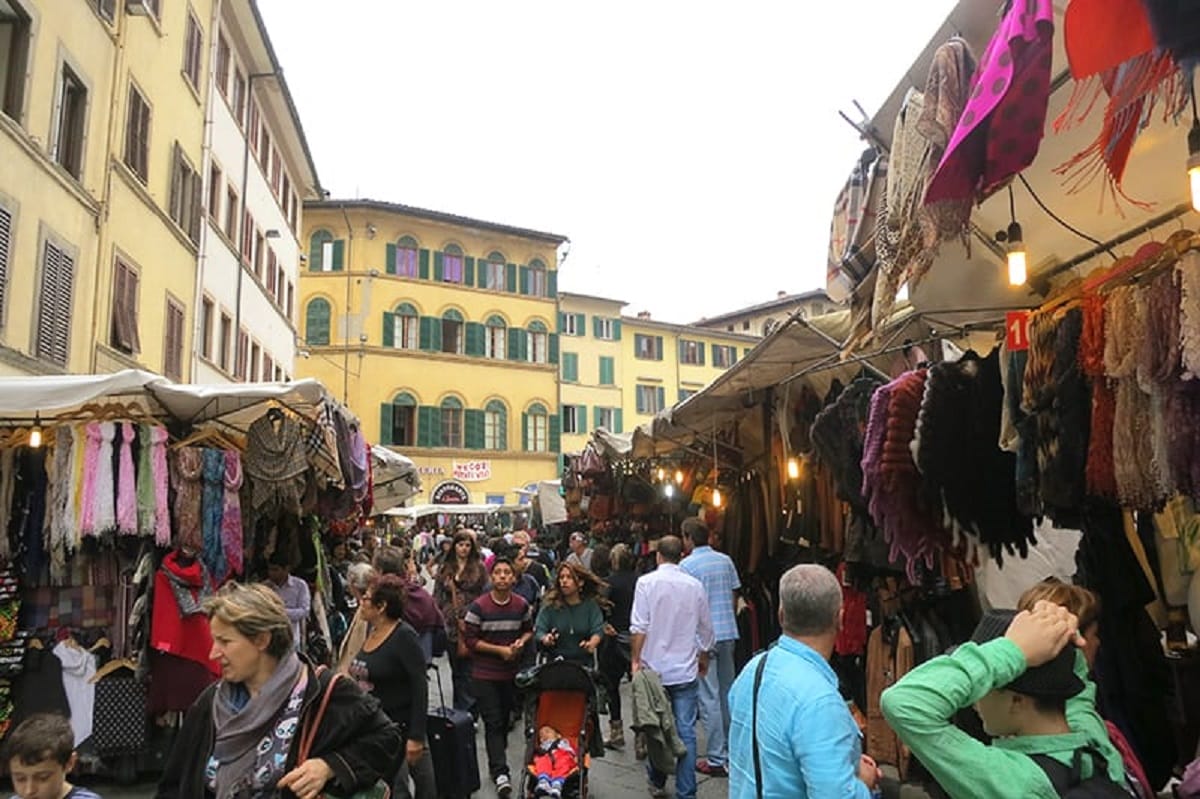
<point>1068,780</point>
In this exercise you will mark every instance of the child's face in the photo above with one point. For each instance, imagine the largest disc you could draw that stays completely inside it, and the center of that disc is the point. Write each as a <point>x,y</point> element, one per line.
<point>545,735</point>
<point>45,779</point>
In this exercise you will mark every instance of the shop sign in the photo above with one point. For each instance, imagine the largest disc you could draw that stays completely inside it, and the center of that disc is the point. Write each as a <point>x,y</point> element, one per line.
<point>1016,331</point>
<point>431,471</point>
<point>450,493</point>
<point>473,471</point>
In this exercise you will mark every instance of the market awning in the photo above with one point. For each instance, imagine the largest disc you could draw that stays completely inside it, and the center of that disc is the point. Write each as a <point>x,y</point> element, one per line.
<point>395,479</point>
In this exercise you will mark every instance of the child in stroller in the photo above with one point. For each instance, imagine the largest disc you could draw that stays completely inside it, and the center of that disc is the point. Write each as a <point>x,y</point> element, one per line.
<point>554,762</point>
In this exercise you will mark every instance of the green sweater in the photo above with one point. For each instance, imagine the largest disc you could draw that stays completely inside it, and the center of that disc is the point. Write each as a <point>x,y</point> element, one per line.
<point>575,624</point>
<point>919,708</point>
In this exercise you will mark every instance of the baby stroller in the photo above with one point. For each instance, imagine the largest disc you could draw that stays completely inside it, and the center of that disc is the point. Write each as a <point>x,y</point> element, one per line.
<point>562,695</point>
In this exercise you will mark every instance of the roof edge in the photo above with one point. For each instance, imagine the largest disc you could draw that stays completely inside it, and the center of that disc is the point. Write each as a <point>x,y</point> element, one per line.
<point>439,216</point>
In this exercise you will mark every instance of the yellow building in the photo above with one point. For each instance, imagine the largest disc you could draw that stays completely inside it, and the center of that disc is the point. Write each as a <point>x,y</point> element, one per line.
<point>618,371</point>
<point>439,333</point>
<point>762,319</point>
<point>101,140</point>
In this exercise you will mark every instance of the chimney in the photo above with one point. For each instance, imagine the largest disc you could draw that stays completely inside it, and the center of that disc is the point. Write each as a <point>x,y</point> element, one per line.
<point>779,295</point>
<point>643,315</point>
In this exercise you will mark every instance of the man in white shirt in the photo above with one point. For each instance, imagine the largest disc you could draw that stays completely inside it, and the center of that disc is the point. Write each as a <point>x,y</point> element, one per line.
<point>672,634</point>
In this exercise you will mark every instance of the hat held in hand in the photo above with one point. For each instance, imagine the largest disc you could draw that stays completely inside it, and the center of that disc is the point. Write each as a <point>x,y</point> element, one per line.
<point>1053,680</point>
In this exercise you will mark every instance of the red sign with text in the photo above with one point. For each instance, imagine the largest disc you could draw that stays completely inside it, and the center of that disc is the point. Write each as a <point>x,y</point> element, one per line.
<point>1016,327</point>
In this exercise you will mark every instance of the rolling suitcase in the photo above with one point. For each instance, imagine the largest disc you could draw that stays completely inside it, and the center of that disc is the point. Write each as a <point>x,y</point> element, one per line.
<point>451,735</point>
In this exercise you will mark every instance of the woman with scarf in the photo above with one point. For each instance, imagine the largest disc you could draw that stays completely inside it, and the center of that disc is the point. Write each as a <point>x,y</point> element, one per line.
<point>570,623</point>
<point>460,581</point>
<point>241,738</point>
<point>391,666</point>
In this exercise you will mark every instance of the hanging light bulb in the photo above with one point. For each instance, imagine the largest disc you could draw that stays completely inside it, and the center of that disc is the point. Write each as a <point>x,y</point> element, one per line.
<point>669,490</point>
<point>679,476</point>
<point>1017,265</point>
<point>35,435</point>
<point>1193,164</point>
<point>716,497</point>
<point>662,474</point>
<point>793,468</point>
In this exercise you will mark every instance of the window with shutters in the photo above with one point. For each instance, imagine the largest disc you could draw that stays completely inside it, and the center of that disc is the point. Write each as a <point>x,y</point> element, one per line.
<point>606,418</point>
<point>406,257</point>
<point>260,246</point>
<point>539,343</point>
<point>607,370</point>
<point>407,332</point>
<point>207,311</point>
<point>684,393</point>
<point>291,300</point>
<point>452,264</point>
<point>173,345</point>
<point>247,248</point>
<point>452,333</point>
<point>537,279</point>
<point>231,214</point>
<point>294,214</point>
<point>15,40</point>
<point>605,328</point>
<point>493,273</point>
<point>537,429</point>
<point>216,187</point>
<point>570,367</point>
<point>317,321</point>
<point>184,205</point>
<point>572,419</point>
<point>124,332</point>
<point>253,126</point>
<point>255,353</point>
<point>285,195</point>
<point>276,172</point>
<point>320,251</point>
<point>237,97</point>
<point>52,341</point>
<point>404,420</point>
<point>242,354</point>
<point>268,372</point>
<point>649,399</point>
<point>193,48</point>
<point>495,426</point>
<point>137,134</point>
<point>270,275</point>
<point>6,228</point>
<point>647,348</point>
<point>452,423</point>
<point>225,342</point>
<point>495,339</point>
<point>691,353</point>
<point>724,356</point>
<point>222,68</point>
<point>573,324</point>
<point>280,286</point>
<point>264,148</point>
<point>769,327</point>
<point>71,122</point>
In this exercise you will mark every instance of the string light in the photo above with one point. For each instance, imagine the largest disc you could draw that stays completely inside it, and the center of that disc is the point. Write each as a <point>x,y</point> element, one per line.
<point>35,435</point>
<point>1193,164</point>
<point>1014,241</point>
<point>716,497</point>
<point>669,490</point>
<point>662,474</point>
<point>679,476</point>
<point>793,469</point>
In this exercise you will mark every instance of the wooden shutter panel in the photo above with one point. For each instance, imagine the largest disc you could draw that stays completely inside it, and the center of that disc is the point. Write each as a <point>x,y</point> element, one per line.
<point>389,264</point>
<point>616,329</point>
<point>700,346</point>
<point>555,425</point>
<point>339,255</point>
<point>553,348</point>
<point>385,423</point>
<point>552,283</point>
<point>5,254</point>
<point>525,442</point>
<point>425,426</point>
<point>562,322</point>
<point>658,347</point>
<point>525,280</point>
<point>473,429</point>
<point>641,400</point>
<point>662,398</point>
<point>510,277</point>
<point>596,421</point>
<point>474,345</point>
<point>425,333</point>
<point>423,264</point>
<point>389,329</point>
<point>502,438</point>
<point>439,266</point>
<point>582,419</point>
<point>618,422</point>
<point>435,335</point>
<point>469,271</point>
<point>131,309</point>
<point>580,324</point>
<point>598,327</point>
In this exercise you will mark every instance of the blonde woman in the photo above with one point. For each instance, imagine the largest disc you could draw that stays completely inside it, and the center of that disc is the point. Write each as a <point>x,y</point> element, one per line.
<point>241,737</point>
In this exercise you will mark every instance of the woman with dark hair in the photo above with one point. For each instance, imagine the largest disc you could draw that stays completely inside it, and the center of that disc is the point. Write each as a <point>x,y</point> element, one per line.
<point>615,649</point>
<point>571,622</point>
<point>391,666</point>
<point>241,737</point>
<point>460,581</point>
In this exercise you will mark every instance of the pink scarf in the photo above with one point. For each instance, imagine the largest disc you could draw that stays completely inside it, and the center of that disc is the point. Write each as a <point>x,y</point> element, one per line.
<point>231,518</point>
<point>127,509</point>
<point>162,506</point>
<point>91,457</point>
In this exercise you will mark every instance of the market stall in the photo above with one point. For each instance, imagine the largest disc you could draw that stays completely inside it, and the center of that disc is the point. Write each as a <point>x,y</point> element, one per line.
<point>125,500</point>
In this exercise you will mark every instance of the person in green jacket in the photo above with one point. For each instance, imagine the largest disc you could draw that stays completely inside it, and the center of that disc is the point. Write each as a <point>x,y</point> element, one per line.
<point>570,623</point>
<point>1018,671</point>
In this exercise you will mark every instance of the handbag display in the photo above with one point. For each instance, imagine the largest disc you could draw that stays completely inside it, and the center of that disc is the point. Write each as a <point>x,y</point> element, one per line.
<point>380,790</point>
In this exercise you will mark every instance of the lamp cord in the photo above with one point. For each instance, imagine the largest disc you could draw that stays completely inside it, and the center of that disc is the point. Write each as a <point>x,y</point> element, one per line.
<point>1058,218</point>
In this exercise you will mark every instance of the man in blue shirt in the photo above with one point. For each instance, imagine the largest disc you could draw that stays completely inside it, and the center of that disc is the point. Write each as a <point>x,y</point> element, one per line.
<point>719,576</point>
<point>809,746</point>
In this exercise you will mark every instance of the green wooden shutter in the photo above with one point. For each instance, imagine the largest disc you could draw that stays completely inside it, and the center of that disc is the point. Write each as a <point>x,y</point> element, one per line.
<point>570,367</point>
<point>745,352</point>
<point>606,366</point>
<point>555,424</point>
<point>475,339</point>
<point>339,255</point>
<point>525,280</point>
<point>513,350</point>
<point>510,277</point>
<point>580,324</point>
<point>473,425</point>
<point>662,398</point>
<point>389,329</point>
<point>425,426</point>
<point>641,402</point>
<point>598,326</point>
<point>617,421</point>
<point>385,423</point>
<point>701,346</point>
<point>435,340</point>
<point>553,354</point>
<point>469,271</point>
<point>582,419</point>
<point>389,264</point>
<point>658,347</point>
<point>562,322</point>
<point>525,432</point>
<point>316,323</point>
<point>596,420</point>
<point>426,333</point>
<point>552,283</point>
<point>439,270</point>
<point>616,330</point>
<point>423,264</point>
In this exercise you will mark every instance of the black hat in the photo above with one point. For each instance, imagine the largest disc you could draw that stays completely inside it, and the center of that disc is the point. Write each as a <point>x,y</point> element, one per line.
<point>1053,680</point>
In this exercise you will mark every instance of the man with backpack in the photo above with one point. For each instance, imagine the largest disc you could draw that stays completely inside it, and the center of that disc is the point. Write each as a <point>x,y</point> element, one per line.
<point>1018,672</point>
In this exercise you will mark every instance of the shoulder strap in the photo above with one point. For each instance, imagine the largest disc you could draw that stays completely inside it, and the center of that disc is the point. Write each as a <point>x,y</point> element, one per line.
<point>309,732</point>
<point>758,677</point>
<point>1060,775</point>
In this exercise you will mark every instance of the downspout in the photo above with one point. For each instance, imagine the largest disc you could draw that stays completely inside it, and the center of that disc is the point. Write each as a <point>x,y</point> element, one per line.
<point>206,200</point>
<point>346,314</point>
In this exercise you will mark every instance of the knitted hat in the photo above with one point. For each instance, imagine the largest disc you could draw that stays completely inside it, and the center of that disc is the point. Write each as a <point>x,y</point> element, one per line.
<point>1053,680</point>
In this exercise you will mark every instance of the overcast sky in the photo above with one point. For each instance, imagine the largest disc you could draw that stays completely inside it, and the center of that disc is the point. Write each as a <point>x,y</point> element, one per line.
<point>691,151</point>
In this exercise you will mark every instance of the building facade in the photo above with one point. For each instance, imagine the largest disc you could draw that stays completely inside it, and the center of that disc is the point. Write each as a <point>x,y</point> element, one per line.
<point>102,109</point>
<point>257,173</point>
<point>618,371</point>
<point>440,333</point>
<point>764,318</point>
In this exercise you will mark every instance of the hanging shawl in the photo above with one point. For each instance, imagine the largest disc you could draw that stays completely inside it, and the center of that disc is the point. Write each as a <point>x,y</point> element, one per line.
<point>187,465</point>
<point>1001,128</point>
<point>127,501</point>
<point>1182,413</point>
<point>212,508</point>
<point>231,517</point>
<point>898,236</point>
<point>321,446</point>
<point>91,469</point>
<point>852,229</point>
<point>1188,271</point>
<point>105,514</point>
<point>60,511</point>
<point>154,509</point>
<point>275,462</point>
<point>1100,472</point>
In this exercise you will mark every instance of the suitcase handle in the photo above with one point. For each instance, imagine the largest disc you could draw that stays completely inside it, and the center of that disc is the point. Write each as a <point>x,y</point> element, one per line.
<point>438,673</point>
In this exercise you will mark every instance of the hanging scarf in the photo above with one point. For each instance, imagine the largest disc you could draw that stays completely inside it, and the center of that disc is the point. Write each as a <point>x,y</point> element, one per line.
<point>241,723</point>
<point>187,465</point>
<point>105,514</point>
<point>127,504</point>
<point>190,585</point>
<point>212,508</point>
<point>231,516</point>
<point>145,484</point>
<point>999,132</point>
<point>275,462</point>
<point>162,507</point>
<point>58,524</point>
<point>91,468</point>
<point>1188,271</point>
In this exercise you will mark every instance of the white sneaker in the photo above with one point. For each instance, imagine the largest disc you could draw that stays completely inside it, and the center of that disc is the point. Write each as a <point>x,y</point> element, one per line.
<point>503,786</point>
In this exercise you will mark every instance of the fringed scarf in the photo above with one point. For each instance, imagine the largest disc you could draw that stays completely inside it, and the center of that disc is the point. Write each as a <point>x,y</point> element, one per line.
<point>127,500</point>
<point>105,513</point>
<point>231,517</point>
<point>212,508</point>
<point>187,465</point>
<point>87,491</point>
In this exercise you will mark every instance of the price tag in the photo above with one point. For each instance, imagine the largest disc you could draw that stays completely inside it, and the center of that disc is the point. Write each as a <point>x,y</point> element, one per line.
<point>1016,327</point>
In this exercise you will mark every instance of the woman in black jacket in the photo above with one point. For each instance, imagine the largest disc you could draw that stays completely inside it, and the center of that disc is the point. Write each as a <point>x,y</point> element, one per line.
<point>241,738</point>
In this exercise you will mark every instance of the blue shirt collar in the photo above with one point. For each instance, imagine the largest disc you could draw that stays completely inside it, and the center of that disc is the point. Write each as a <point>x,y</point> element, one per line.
<point>810,655</point>
<point>703,549</point>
